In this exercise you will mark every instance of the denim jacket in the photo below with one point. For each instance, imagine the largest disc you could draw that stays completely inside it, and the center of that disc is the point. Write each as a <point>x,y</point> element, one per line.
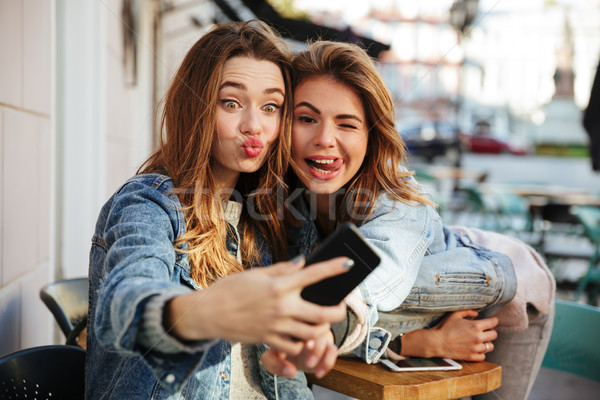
<point>425,271</point>
<point>134,270</point>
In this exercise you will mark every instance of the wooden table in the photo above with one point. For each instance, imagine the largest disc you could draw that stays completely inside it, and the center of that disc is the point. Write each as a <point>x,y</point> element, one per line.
<point>363,381</point>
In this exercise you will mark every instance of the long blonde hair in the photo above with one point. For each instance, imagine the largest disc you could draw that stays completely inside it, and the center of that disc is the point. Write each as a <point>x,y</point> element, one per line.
<point>349,64</point>
<point>188,123</point>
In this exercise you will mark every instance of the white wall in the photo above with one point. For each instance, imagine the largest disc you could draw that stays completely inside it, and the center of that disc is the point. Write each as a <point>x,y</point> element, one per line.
<point>26,172</point>
<point>72,129</point>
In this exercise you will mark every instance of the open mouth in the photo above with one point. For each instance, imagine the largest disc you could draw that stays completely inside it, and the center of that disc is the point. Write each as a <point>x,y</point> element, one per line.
<point>324,166</point>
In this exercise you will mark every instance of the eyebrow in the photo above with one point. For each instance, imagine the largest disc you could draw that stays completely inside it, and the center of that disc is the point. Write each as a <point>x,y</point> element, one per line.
<point>241,86</point>
<point>307,104</point>
<point>349,116</point>
<point>318,112</point>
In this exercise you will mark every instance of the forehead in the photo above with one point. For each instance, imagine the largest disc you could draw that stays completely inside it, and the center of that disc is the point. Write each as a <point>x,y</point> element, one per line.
<point>328,95</point>
<point>252,72</point>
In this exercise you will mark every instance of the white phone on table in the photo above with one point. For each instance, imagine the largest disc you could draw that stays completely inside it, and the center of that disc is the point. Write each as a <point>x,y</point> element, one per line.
<point>422,364</point>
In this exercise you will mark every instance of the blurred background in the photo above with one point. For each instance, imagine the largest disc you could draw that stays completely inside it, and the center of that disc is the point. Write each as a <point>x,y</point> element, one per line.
<point>489,99</point>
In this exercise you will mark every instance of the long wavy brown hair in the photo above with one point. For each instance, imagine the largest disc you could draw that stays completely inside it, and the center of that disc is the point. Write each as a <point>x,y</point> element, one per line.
<point>349,64</point>
<point>184,154</point>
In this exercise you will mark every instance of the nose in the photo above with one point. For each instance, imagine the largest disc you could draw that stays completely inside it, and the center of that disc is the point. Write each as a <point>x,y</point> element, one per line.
<point>325,135</point>
<point>250,123</point>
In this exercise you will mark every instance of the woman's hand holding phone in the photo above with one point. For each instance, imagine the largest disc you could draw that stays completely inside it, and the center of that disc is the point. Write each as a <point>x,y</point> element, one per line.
<point>261,305</point>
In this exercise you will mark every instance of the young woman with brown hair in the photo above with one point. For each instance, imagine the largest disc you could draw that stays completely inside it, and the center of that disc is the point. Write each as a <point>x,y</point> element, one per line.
<point>348,160</point>
<point>171,308</point>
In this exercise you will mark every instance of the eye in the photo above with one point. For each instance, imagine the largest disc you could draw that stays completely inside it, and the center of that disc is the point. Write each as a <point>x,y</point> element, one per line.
<point>348,126</point>
<point>271,108</point>
<point>230,104</point>
<point>305,119</point>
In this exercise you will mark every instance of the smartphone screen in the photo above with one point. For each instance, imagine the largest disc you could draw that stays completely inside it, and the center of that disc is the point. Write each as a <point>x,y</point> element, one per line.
<point>422,364</point>
<point>346,241</point>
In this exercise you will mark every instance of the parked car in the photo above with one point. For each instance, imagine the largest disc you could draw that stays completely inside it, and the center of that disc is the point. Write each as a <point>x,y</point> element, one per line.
<point>432,139</point>
<point>483,141</point>
<point>490,145</point>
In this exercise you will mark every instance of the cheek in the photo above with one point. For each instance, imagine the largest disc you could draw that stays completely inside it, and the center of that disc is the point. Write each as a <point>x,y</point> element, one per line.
<point>361,150</point>
<point>300,141</point>
<point>222,126</point>
<point>297,146</point>
<point>272,129</point>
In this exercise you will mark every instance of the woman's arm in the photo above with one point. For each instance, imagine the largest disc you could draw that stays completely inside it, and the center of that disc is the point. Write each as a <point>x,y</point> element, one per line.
<point>137,292</point>
<point>262,305</point>
<point>457,336</point>
<point>402,235</point>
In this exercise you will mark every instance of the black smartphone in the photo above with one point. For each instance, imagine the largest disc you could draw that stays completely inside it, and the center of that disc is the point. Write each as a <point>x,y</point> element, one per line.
<point>346,241</point>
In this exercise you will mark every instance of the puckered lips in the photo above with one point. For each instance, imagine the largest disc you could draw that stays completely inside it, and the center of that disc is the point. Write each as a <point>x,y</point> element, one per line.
<point>324,167</point>
<point>252,147</point>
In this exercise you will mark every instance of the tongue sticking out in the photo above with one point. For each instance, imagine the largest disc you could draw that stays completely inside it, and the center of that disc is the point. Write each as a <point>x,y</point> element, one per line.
<point>325,165</point>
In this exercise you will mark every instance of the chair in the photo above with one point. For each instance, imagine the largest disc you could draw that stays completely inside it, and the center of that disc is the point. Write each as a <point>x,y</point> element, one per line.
<point>45,372</point>
<point>589,216</point>
<point>573,345</point>
<point>68,301</point>
<point>562,237</point>
<point>476,209</point>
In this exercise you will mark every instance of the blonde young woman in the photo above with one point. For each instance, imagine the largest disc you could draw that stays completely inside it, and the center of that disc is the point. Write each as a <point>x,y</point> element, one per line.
<point>172,314</point>
<point>348,164</point>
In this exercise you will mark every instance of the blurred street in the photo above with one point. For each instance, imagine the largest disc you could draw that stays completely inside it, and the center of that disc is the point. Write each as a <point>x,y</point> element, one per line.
<point>574,173</point>
<point>505,168</point>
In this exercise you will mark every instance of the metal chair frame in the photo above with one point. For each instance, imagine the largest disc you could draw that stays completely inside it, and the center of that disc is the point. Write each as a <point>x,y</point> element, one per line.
<point>45,372</point>
<point>68,301</point>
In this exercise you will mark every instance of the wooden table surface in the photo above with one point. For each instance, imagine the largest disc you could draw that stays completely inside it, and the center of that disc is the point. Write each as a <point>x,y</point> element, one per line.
<point>373,381</point>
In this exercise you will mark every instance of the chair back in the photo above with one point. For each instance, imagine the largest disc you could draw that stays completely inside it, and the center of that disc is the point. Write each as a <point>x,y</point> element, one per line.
<point>45,372</point>
<point>589,216</point>
<point>68,301</point>
<point>573,345</point>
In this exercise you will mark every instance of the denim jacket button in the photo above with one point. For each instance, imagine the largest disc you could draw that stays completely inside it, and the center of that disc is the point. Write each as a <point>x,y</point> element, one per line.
<point>170,378</point>
<point>375,343</point>
<point>224,375</point>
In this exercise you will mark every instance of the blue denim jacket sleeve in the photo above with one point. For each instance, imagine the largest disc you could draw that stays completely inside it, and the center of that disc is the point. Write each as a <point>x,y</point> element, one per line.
<point>402,234</point>
<point>415,248</point>
<point>137,230</point>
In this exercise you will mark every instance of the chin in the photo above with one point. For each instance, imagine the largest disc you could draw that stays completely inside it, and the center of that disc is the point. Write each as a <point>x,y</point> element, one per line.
<point>322,187</point>
<point>252,166</point>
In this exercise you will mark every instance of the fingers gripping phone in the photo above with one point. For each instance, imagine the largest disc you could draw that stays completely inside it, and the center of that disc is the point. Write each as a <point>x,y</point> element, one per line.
<point>344,242</point>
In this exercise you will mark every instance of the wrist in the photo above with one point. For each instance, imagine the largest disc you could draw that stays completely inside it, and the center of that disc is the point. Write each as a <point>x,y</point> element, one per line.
<point>419,343</point>
<point>177,321</point>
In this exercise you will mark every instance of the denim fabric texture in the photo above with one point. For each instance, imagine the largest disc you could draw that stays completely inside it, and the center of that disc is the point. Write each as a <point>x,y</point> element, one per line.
<point>425,271</point>
<point>132,263</point>
<point>305,238</point>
